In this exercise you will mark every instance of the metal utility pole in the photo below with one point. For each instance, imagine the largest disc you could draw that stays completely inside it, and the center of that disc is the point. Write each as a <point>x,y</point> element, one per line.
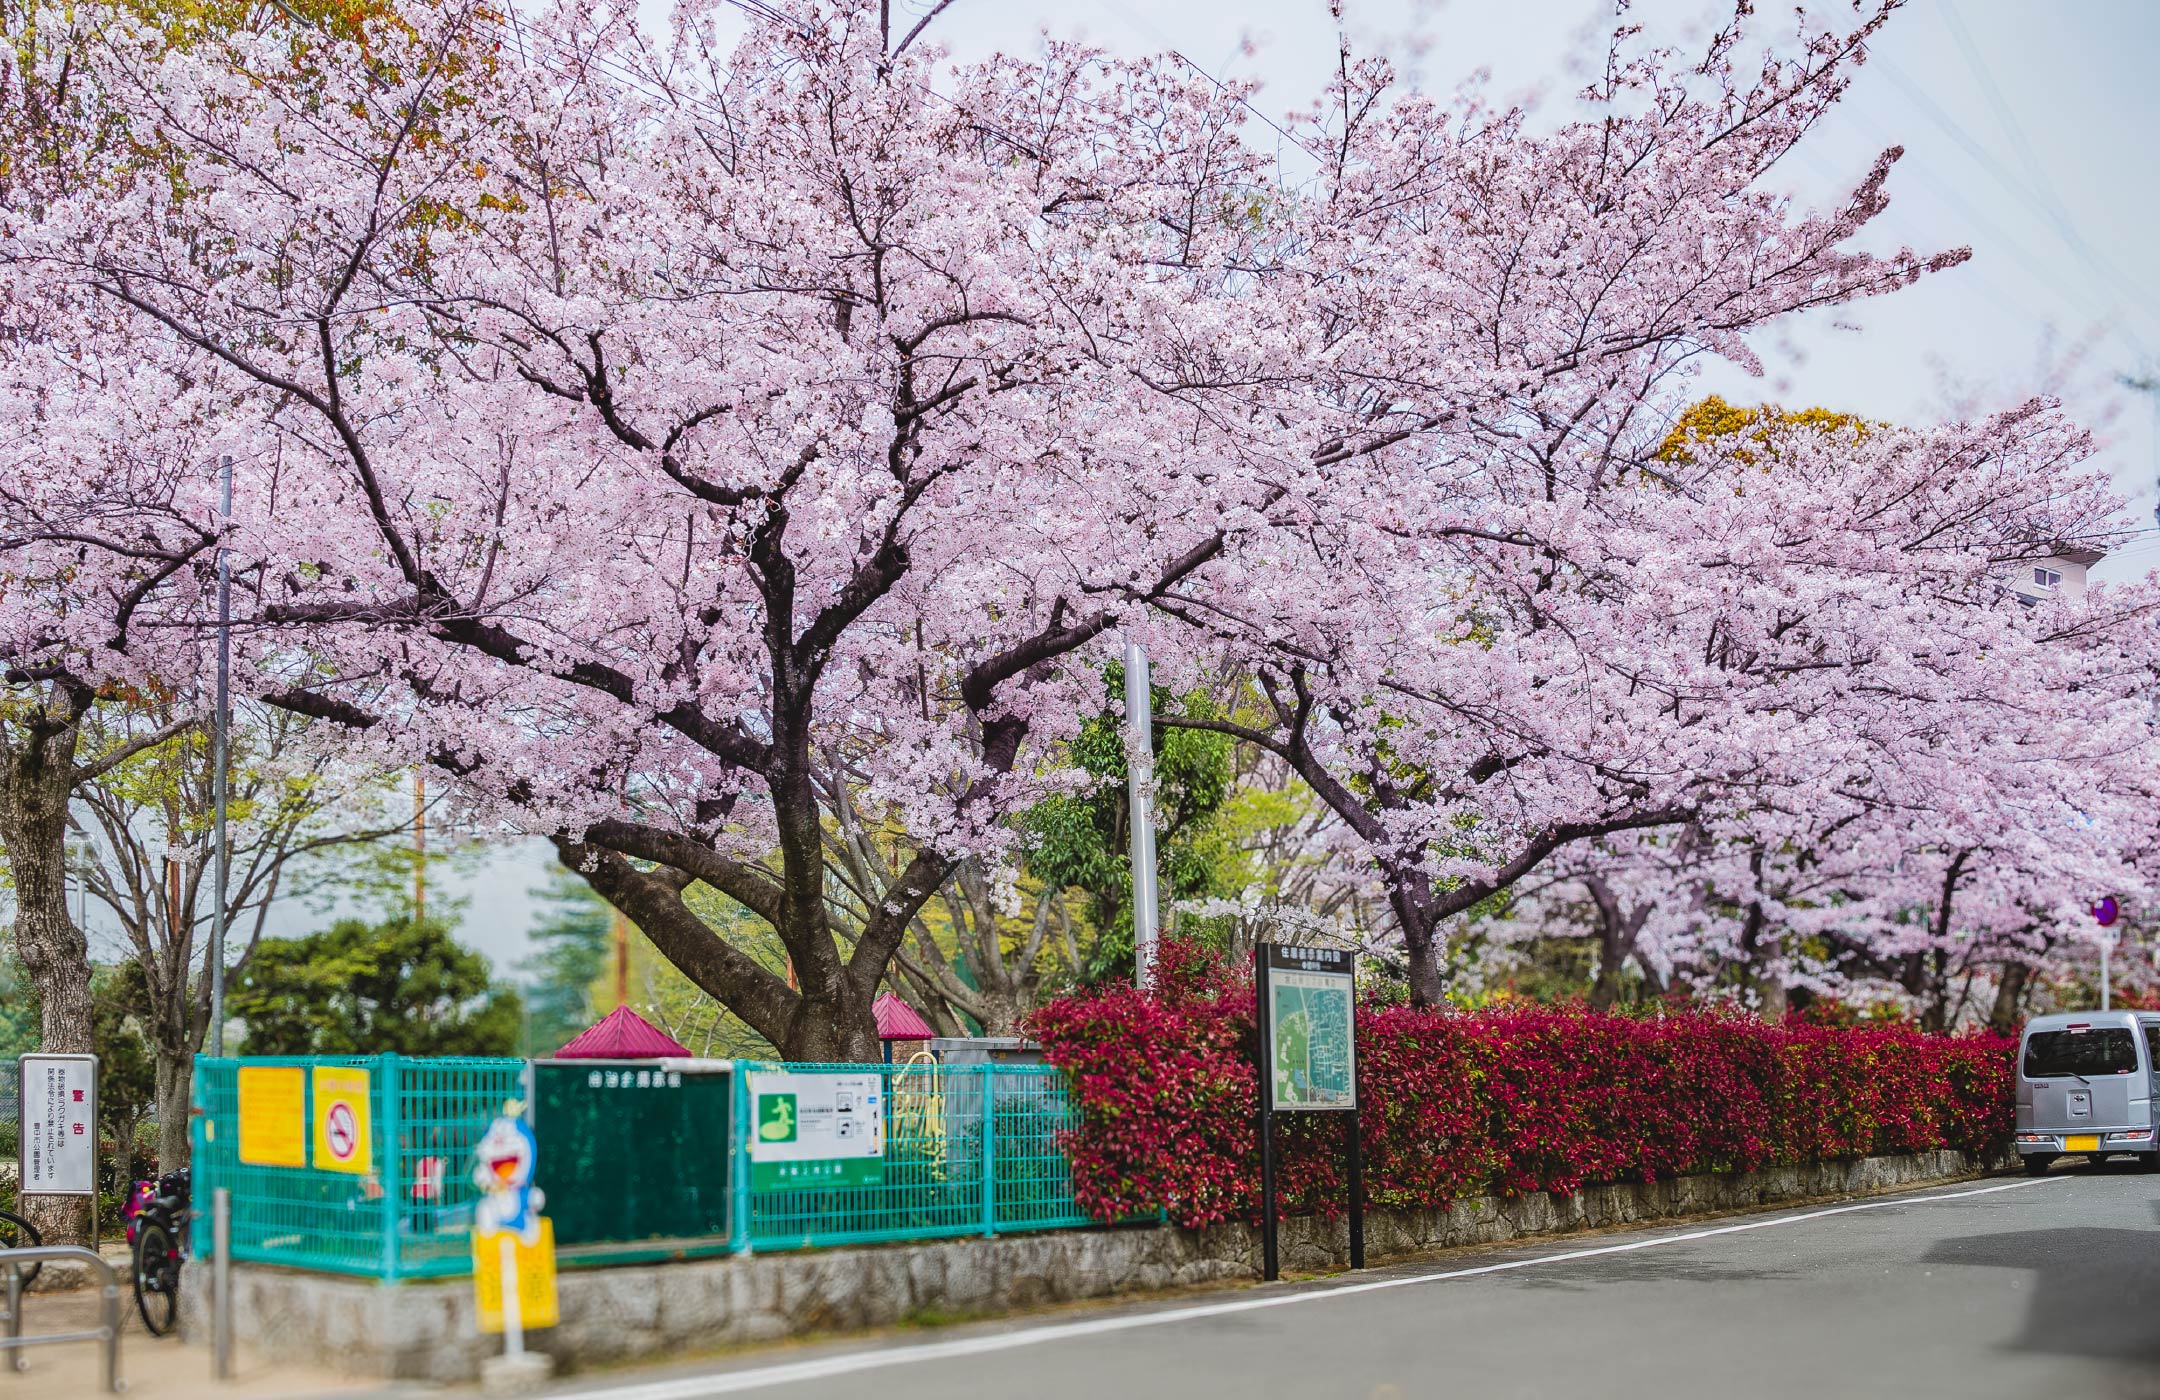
<point>173,850</point>
<point>220,754</point>
<point>621,932</point>
<point>1139,779</point>
<point>419,845</point>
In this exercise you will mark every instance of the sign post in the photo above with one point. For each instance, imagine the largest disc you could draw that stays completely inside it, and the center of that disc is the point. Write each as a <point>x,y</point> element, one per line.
<point>1307,1006</point>
<point>58,1146</point>
<point>2105,913</point>
<point>513,1251</point>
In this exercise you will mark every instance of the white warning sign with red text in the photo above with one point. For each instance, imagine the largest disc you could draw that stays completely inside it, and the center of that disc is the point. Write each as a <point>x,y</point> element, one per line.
<point>59,1125</point>
<point>341,1120</point>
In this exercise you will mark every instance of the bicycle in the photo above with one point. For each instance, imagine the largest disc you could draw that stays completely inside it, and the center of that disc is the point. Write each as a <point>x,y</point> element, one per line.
<point>18,1233</point>
<point>157,1228</point>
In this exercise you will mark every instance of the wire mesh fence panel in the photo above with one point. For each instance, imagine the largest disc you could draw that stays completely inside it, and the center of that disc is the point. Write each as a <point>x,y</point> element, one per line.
<point>284,1209</point>
<point>967,1150</point>
<point>1032,1176</point>
<point>443,1107</point>
<point>348,1164</point>
<point>930,1182</point>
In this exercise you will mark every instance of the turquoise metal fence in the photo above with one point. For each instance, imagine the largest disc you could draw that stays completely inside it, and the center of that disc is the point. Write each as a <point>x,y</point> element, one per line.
<point>407,1216</point>
<point>969,1150</point>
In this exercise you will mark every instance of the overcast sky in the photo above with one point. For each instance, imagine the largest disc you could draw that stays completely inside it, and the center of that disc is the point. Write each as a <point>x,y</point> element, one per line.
<point>2029,135</point>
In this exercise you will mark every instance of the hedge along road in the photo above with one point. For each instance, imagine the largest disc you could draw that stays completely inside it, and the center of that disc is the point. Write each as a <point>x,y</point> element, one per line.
<point>2010,1288</point>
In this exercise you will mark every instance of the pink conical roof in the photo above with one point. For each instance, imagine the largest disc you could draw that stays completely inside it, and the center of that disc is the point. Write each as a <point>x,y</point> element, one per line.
<point>896,1020</point>
<point>622,1034</point>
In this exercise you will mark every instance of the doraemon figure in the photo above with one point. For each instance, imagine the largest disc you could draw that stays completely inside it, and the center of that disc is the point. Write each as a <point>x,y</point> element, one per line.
<point>503,1170</point>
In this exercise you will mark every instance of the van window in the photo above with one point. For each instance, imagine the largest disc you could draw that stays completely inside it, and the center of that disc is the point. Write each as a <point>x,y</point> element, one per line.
<point>2152,1043</point>
<point>2103,1050</point>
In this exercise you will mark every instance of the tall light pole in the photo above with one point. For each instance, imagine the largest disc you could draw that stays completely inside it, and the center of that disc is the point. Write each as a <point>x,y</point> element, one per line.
<point>1139,779</point>
<point>220,757</point>
<point>419,845</point>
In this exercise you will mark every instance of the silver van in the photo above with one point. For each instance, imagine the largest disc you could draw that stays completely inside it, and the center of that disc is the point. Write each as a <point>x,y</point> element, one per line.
<point>2085,1085</point>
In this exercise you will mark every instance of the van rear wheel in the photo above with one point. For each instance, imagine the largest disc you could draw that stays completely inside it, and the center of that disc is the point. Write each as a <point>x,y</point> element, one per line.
<point>2038,1166</point>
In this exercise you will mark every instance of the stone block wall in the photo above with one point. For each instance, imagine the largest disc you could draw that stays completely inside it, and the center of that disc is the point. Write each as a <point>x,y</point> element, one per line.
<point>426,1331</point>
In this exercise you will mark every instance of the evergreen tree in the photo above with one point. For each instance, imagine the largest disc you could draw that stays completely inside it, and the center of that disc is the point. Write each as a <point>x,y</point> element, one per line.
<point>570,952</point>
<point>1083,841</point>
<point>357,988</point>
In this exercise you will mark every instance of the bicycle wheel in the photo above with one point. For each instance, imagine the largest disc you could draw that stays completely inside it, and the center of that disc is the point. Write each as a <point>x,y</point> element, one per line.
<point>157,1277</point>
<point>18,1233</point>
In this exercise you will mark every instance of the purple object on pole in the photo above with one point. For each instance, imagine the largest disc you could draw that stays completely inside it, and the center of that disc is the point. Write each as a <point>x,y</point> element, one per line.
<point>2106,911</point>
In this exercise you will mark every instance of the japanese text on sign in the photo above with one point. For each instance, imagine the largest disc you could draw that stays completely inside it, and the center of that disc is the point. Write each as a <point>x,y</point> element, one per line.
<point>341,1120</point>
<point>273,1115</point>
<point>816,1130</point>
<point>59,1124</point>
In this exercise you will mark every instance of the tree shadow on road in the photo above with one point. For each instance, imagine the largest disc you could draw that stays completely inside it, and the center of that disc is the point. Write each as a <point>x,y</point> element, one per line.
<point>2095,1291</point>
<point>1646,1266</point>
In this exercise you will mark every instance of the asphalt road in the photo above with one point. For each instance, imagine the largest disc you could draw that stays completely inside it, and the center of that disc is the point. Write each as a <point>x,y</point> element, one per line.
<point>2006,1287</point>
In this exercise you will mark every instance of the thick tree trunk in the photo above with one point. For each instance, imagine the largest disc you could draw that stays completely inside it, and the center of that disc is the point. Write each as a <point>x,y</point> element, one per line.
<point>1760,959</point>
<point>1605,991</point>
<point>2009,1005</point>
<point>836,1027</point>
<point>175,1101</point>
<point>1409,895</point>
<point>1617,933</point>
<point>1428,985</point>
<point>36,779</point>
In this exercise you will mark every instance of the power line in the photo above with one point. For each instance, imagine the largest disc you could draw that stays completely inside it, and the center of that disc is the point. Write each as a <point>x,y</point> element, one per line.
<point>1918,96</point>
<point>1148,27</point>
<point>2051,204</point>
<point>1911,233</point>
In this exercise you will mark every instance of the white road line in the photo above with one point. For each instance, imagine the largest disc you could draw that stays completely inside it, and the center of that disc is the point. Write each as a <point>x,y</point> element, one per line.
<point>733,1382</point>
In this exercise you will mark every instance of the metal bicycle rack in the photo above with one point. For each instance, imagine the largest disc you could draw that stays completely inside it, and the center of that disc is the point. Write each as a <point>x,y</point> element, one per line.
<point>108,1335</point>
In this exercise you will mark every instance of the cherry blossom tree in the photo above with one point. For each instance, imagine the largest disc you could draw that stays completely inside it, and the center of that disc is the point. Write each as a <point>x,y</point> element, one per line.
<point>643,449</point>
<point>100,510</point>
<point>1794,653</point>
<point>696,453</point>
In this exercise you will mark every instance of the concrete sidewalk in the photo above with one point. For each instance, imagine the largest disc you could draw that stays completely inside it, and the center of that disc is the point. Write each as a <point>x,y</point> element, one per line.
<point>155,1368</point>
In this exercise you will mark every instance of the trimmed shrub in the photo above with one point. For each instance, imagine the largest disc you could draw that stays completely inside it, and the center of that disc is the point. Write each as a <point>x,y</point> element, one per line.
<point>1457,1104</point>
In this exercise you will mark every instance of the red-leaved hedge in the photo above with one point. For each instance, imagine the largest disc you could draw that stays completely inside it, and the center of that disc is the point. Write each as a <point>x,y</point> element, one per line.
<point>1461,1104</point>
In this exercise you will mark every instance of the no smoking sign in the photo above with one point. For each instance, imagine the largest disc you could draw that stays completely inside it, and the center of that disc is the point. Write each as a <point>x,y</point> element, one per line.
<point>340,1134</point>
<point>341,1120</point>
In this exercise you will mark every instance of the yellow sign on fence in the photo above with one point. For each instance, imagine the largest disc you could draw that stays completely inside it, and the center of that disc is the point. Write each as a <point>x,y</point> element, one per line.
<point>273,1115</point>
<point>535,1266</point>
<point>341,1120</point>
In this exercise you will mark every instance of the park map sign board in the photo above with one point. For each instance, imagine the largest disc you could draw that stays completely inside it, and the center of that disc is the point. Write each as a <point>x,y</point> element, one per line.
<point>1311,999</point>
<point>1307,1000</point>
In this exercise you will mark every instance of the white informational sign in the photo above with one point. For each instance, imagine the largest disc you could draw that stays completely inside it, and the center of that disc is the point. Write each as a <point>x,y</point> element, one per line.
<point>810,1130</point>
<point>59,1125</point>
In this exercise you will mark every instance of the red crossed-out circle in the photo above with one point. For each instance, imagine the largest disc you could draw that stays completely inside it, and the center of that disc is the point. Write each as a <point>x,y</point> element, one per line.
<point>339,1130</point>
